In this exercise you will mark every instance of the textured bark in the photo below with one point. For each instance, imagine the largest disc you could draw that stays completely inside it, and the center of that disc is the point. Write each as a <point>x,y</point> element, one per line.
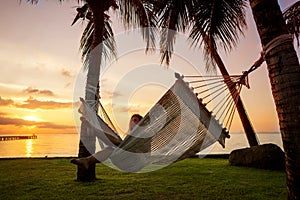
<point>284,74</point>
<point>87,143</point>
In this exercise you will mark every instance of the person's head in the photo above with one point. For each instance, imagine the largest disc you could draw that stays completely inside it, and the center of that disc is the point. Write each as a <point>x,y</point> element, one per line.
<point>134,120</point>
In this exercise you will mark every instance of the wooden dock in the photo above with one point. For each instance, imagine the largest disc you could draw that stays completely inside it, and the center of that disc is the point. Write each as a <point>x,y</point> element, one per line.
<point>17,137</point>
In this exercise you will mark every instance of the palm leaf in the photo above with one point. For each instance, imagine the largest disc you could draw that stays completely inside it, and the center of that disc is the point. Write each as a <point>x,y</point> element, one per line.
<point>36,1</point>
<point>109,51</point>
<point>217,23</point>
<point>292,19</point>
<point>173,16</point>
<point>134,13</point>
<point>138,14</point>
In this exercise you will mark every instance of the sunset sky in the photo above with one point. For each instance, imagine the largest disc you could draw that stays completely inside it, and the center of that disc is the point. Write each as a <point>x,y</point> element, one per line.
<point>40,62</point>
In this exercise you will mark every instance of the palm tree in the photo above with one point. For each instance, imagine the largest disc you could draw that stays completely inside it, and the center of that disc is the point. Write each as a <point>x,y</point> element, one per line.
<point>284,73</point>
<point>93,62</point>
<point>133,12</point>
<point>282,61</point>
<point>222,21</point>
<point>207,22</point>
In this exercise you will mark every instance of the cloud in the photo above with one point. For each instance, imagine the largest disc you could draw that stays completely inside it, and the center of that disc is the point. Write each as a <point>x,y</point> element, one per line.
<point>31,90</point>
<point>109,94</point>
<point>32,103</point>
<point>6,102</point>
<point>15,121</point>
<point>3,114</point>
<point>21,122</point>
<point>66,73</point>
<point>104,81</point>
<point>126,109</point>
<point>52,125</point>
<point>68,85</point>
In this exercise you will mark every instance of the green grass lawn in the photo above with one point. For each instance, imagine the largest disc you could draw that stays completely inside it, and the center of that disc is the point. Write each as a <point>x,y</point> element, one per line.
<point>188,179</point>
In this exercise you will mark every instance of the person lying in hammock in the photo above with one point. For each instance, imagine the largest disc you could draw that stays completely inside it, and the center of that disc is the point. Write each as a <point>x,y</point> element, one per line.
<point>104,153</point>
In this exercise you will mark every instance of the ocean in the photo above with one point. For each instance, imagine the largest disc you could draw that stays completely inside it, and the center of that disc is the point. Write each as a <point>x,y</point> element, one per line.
<point>66,145</point>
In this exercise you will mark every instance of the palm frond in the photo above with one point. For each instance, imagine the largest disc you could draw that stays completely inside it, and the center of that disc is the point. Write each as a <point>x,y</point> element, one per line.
<point>167,40</point>
<point>292,19</point>
<point>31,1</point>
<point>222,20</point>
<point>86,40</point>
<point>109,43</point>
<point>218,23</point>
<point>109,51</point>
<point>36,1</point>
<point>209,48</point>
<point>138,14</point>
<point>82,12</point>
<point>173,16</point>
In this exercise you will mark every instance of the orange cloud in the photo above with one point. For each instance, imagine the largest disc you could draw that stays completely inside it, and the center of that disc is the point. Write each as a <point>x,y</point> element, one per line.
<point>15,121</point>
<point>126,109</point>
<point>32,103</point>
<point>31,90</point>
<point>68,85</point>
<point>109,94</point>
<point>6,102</point>
<point>21,122</point>
<point>66,73</point>
<point>52,125</point>
<point>3,114</point>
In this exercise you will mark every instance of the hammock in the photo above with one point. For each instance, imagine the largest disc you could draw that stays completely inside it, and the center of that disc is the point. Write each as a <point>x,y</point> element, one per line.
<point>178,126</point>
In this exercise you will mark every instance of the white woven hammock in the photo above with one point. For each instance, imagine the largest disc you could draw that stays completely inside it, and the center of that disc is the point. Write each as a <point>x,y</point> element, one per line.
<point>178,126</point>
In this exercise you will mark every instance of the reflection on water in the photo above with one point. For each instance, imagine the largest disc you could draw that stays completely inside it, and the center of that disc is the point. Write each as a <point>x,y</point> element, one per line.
<point>239,140</point>
<point>50,145</point>
<point>28,148</point>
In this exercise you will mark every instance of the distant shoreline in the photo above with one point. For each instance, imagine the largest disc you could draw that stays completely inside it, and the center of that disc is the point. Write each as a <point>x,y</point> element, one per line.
<point>17,137</point>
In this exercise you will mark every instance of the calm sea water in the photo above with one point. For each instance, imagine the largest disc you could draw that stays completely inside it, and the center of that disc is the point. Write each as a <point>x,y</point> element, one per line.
<point>66,145</point>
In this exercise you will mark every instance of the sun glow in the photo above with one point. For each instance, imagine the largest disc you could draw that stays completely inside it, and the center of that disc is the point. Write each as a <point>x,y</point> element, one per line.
<point>28,148</point>
<point>31,118</point>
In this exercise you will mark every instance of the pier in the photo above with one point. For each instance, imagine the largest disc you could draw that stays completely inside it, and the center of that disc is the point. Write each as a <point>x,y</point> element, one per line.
<point>18,137</point>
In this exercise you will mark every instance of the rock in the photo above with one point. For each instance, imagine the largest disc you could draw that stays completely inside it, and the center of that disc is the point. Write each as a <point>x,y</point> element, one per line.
<point>266,156</point>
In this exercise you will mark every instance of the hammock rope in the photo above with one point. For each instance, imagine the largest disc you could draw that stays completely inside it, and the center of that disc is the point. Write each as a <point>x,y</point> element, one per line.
<point>213,91</point>
<point>279,40</point>
<point>104,115</point>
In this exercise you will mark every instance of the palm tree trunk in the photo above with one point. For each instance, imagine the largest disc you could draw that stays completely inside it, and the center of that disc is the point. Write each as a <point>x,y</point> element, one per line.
<point>87,143</point>
<point>250,133</point>
<point>284,73</point>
